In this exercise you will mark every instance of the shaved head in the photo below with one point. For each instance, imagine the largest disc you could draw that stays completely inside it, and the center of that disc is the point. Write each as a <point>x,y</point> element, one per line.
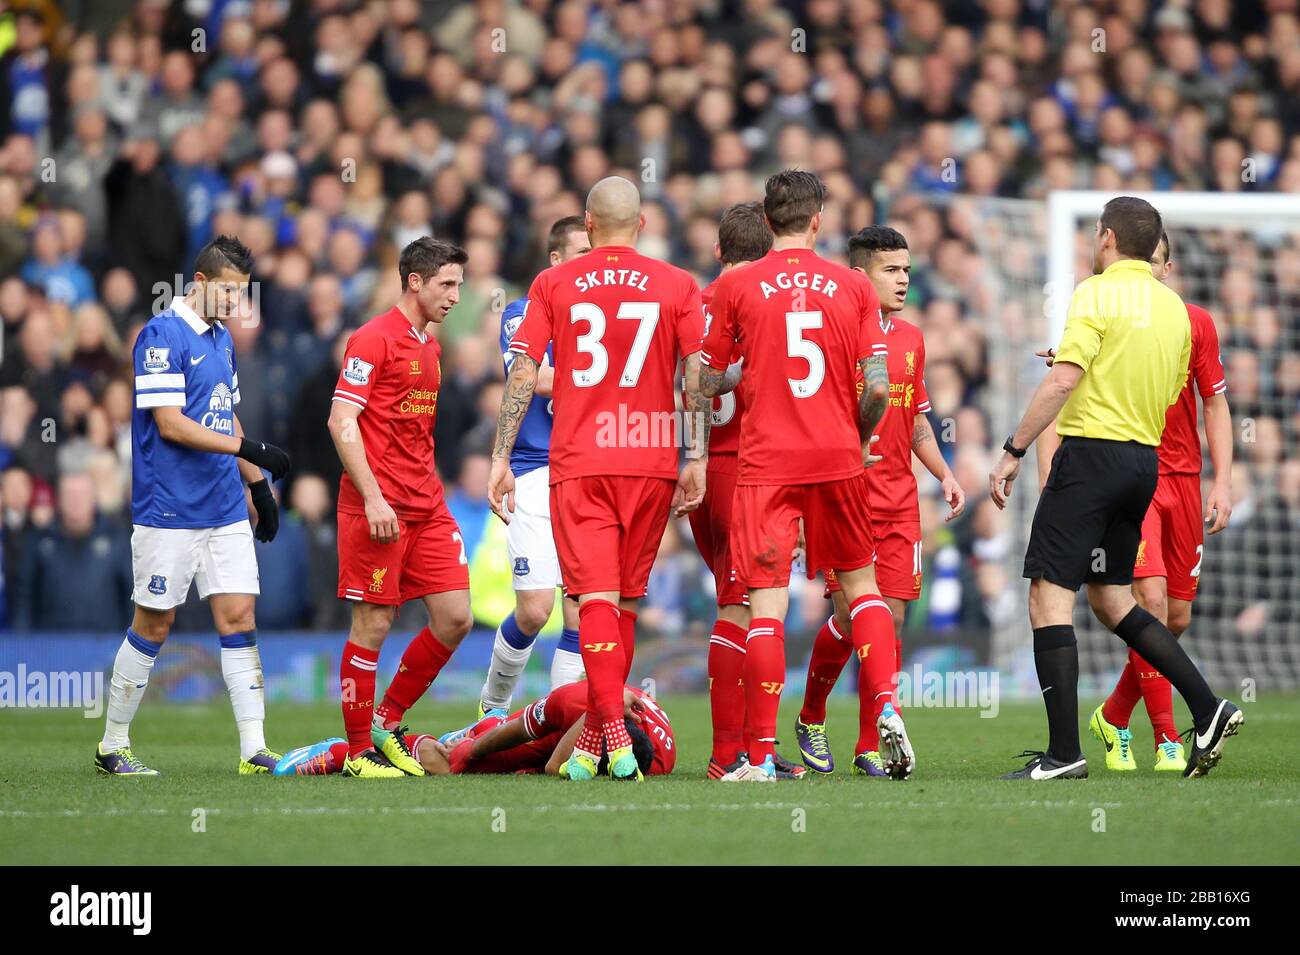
<point>614,205</point>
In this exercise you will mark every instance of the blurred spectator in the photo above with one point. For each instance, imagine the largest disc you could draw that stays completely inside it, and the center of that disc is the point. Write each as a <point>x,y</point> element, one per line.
<point>84,548</point>
<point>328,140</point>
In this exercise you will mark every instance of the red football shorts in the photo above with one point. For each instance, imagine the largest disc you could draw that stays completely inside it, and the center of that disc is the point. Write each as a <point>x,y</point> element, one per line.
<point>765,529</point>
<point>898,558</point>
<point>428,557</point>
<point>608,530</point>
<point>1173,535</point>
<point>711,527</point>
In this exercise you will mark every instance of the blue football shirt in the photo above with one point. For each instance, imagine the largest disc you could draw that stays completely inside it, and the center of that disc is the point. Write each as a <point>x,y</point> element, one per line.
<point>180,361</point>
<point>533,443</point>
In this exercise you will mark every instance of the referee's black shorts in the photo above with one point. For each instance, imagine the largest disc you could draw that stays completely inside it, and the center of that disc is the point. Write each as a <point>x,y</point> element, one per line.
<point>1089,519</point>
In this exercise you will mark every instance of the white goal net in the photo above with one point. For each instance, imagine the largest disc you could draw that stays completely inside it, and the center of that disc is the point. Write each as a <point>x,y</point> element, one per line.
<point>1239,257</point>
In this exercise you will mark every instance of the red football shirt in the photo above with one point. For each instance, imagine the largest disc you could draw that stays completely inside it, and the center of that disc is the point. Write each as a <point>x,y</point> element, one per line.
<point>655,722</point>
<point>724,436</point>
<point>802,324</point>
<point>1180,445</point>
<point>391,372</point>
<point>892,484</point>
<point>620,322</point>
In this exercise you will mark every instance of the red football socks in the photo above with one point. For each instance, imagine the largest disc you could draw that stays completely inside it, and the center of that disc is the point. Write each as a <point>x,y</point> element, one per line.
<point>1158,695</point>
<point>831,650</point>
<point>874,643</point>
<point>357,694</point>
<point>423,660</point>
<point>727,689</point>
<point>764,681</point>
<point>599,626</point>
<point>627,633</point>
<point>1118,708</point>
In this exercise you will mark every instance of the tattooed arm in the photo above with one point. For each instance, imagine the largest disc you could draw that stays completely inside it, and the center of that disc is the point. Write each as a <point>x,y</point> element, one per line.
<point>713,382</point>
<point>514,404</point>
<point>699,422</point>
<point>927,452</point>
<point>875,394</point>
<point>699,407</point>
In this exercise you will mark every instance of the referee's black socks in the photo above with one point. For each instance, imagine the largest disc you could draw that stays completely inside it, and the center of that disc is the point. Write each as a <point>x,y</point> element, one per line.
<point>1056,657</point>
<point>1155,644</point>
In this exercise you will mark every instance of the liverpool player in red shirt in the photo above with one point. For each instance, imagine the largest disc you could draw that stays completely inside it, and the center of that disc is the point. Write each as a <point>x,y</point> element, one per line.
<point>743,236</point>
<point>881,254</point>
<point>397,540</point>
<point>1168,565</point>
<point>804,326</point>
<point>619,322</point>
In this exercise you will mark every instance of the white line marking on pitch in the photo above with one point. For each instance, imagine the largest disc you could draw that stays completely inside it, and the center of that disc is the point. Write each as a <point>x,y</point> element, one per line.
<point>544,808</point>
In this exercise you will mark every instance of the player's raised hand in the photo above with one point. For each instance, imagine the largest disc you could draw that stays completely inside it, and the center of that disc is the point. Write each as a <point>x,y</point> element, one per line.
<point>501,489</point>
<point>868,456</point>
<point>690,488</point>
<point>383,521</point>
<point>1000,479</point>
<point>1218,507</point>
<point>954,496</point>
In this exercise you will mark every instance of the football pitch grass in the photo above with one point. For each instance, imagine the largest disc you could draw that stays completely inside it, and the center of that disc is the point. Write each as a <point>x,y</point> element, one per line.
<point>54,809</point>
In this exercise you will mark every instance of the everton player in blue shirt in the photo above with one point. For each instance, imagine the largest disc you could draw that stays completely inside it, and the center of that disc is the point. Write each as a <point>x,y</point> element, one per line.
<point>190,461</point>
<point>534,566</point>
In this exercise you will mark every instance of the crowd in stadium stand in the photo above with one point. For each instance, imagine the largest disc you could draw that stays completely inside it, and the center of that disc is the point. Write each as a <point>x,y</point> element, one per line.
<point>327,134</point>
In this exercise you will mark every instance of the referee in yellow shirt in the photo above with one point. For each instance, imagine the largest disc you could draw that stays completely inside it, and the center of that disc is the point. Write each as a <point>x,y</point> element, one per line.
<point>1121,363</point>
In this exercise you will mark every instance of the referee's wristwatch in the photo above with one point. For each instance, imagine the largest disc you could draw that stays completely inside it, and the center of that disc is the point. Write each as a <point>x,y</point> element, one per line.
<point>1012,450</point>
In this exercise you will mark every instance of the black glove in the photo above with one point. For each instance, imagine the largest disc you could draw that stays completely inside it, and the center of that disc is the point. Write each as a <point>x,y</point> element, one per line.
<point>268,512</point>
<point>265,456</point>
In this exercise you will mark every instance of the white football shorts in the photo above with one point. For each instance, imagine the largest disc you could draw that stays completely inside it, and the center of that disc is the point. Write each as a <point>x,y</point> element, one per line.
<point>165,560</point>
<point>534,565</point>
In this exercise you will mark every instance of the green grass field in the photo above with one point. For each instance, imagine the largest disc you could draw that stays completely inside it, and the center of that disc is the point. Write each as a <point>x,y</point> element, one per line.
<point>55,809</point>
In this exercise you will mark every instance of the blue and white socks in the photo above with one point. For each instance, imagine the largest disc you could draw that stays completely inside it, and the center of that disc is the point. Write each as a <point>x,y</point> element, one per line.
<point>241,665</point>
<point>131,670</point>
<point>566,665</point>
<point>510,652</point>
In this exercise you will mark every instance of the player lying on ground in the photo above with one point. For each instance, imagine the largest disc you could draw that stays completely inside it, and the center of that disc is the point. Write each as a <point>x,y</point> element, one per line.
<point>805,327</point>
<point>1168,567</point>
<point>530,542</point>
<point>190,462</point>
<point>536,739</point>
<point>743,237</point>
<point>881,254</point>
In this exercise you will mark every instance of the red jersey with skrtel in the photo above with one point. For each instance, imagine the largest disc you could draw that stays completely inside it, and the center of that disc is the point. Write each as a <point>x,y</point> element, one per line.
<point>892,485</point>
<point>619,321</point>
<point>724,436</point>
<point>1180,445</point>
<point>391,372</point>
<point>802,324</point>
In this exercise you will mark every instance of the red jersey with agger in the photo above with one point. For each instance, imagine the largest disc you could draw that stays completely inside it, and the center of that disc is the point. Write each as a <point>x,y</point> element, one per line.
<point>620,321</point>
<point>892,486</point>
<point>1180,446</point>
<point>391,372</point>
<point>724,436</point>
<point>802,324</point>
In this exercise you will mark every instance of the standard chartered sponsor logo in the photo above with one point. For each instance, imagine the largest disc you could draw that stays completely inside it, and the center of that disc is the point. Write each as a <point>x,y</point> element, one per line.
<point>419,401</point>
